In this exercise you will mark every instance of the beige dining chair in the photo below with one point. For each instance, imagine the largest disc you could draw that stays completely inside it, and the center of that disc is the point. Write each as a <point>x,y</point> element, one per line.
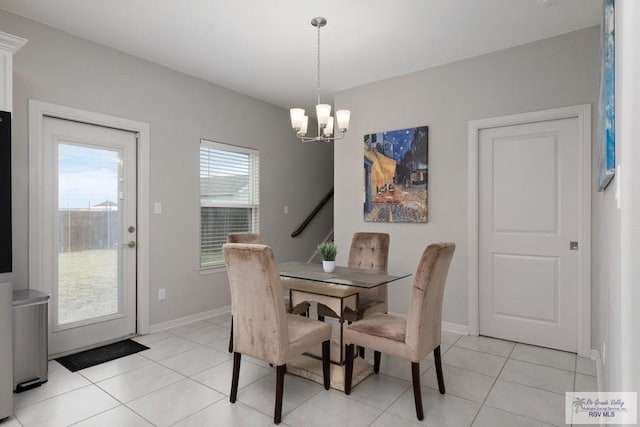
<point>254,238</point>
<point>263,329</point>
<point>369,251</point>
<point>417,335</point>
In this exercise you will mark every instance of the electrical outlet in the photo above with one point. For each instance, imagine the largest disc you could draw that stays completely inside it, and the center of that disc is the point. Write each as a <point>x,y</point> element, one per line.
<point>162,295</point>
<point>286,209</point>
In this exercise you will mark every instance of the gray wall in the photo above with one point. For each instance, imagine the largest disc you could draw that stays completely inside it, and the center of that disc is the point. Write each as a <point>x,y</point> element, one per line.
<point>63,69</point>
<point>556,72</point>
<point>618,276</point>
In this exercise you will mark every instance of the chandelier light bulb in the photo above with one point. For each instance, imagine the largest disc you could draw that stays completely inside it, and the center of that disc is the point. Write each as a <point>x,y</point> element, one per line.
<point>342,117</point>
<point>323,111</point>
<point>305,125</point>
<point>328,130</point>
<point>296,117</point>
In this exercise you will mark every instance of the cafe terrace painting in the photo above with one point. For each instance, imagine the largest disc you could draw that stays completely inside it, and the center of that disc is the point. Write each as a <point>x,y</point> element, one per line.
<point>396,176</point>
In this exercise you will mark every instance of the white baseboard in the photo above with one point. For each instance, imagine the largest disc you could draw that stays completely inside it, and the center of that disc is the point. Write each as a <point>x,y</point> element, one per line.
<point>455,328</point>
<point>446,326</point>
<point>189,319</point>
<point>595,355</point>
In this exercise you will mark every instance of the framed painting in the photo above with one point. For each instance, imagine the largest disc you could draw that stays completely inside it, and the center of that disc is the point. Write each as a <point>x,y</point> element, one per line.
<point>396,175</point>
<point>606,123</point>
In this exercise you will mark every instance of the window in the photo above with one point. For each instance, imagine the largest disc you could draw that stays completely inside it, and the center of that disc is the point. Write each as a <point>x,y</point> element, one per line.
<point>228,197</point>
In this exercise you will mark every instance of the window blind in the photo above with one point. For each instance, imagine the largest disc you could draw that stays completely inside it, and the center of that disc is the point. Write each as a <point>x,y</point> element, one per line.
<point>229,197</point>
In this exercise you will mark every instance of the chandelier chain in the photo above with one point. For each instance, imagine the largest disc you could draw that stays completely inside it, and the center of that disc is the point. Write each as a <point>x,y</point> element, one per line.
<point>319,64</point>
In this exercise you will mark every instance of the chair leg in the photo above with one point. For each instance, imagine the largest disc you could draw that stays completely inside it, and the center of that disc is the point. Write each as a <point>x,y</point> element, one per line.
<point>321,318</point>
<point>235,377</point>
<point>376,361</point>
<point>361,352</point>
<point>231,337</point>
<point>417,392</point>
<point>280,371</point>
<point>438,363</point>
<point>348,371</point>
<point>326,363</point>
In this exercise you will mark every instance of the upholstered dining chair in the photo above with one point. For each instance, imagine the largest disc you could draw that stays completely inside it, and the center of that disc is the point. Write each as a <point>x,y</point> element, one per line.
<point>369,251</point>
<point>417,335</point>
<point>254,238</point>
<point>263,329</point>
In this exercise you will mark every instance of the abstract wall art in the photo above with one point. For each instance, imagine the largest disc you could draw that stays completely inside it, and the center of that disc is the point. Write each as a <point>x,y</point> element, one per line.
<point>606,125</point>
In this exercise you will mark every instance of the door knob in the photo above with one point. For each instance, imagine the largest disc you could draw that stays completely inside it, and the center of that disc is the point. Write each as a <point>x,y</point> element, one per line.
<point>130,244</point>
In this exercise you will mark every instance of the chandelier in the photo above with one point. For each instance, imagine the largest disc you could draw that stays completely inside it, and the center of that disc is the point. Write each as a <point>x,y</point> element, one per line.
<point>327,126</point>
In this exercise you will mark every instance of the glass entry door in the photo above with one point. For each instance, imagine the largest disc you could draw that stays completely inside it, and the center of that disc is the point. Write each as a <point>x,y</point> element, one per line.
<point>91,224</point>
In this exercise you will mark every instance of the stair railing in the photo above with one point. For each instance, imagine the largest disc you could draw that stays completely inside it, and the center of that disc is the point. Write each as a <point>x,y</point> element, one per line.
<point>313,214</point>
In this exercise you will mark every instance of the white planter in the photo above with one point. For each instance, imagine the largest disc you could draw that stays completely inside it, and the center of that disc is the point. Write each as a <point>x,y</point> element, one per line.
<point>328,266</point>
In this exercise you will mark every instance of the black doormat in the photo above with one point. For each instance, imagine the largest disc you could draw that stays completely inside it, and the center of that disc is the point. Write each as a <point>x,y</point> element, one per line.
<point>96,356</point>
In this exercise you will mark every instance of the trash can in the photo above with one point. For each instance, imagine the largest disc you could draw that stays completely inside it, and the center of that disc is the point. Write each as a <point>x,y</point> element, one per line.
<point>30,335</point>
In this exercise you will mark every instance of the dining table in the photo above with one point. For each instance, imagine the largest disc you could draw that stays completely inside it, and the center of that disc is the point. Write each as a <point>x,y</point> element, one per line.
<point>339,291</point>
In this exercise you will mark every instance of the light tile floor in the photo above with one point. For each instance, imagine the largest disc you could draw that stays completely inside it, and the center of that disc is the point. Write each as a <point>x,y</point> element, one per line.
<point>185,377</point>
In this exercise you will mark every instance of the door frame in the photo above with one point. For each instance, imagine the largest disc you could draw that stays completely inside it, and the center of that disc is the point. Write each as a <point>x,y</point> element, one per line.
<point>38,110</point>
<point>583,114</point>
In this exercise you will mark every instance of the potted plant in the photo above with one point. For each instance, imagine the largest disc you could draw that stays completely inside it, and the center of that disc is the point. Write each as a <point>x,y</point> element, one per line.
<point>328,251</point>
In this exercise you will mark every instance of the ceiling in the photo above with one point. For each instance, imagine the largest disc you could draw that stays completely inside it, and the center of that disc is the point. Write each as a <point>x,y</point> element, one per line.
<point>267,49</point>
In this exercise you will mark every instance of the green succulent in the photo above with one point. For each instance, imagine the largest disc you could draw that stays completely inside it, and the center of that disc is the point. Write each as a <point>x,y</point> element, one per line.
<point>328,251</point>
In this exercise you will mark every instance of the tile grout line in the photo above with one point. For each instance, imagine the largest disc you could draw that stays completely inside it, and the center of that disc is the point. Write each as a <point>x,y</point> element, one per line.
<point>486,352</point>
<point>542,364</point>
<point>125,404</point>
<point>52,396</point>
<point>524,385</point>
<point>110,395</point>
<point>492,385</point>
<point>409,385</point>
<point>303,402</point>
<point>533,386</point>
<point>95,415</point>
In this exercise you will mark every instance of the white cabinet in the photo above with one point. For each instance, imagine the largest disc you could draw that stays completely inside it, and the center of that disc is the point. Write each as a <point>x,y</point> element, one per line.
<point>6,350</point>
<point>9,44</point>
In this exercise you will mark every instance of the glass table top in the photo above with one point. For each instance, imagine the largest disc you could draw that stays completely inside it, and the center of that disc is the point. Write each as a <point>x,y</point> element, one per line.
<point>355,277</point>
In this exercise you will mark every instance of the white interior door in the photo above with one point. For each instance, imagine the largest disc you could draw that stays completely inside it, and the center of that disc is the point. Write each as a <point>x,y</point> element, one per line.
<point>89,233</point>
<point>528,217</point>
